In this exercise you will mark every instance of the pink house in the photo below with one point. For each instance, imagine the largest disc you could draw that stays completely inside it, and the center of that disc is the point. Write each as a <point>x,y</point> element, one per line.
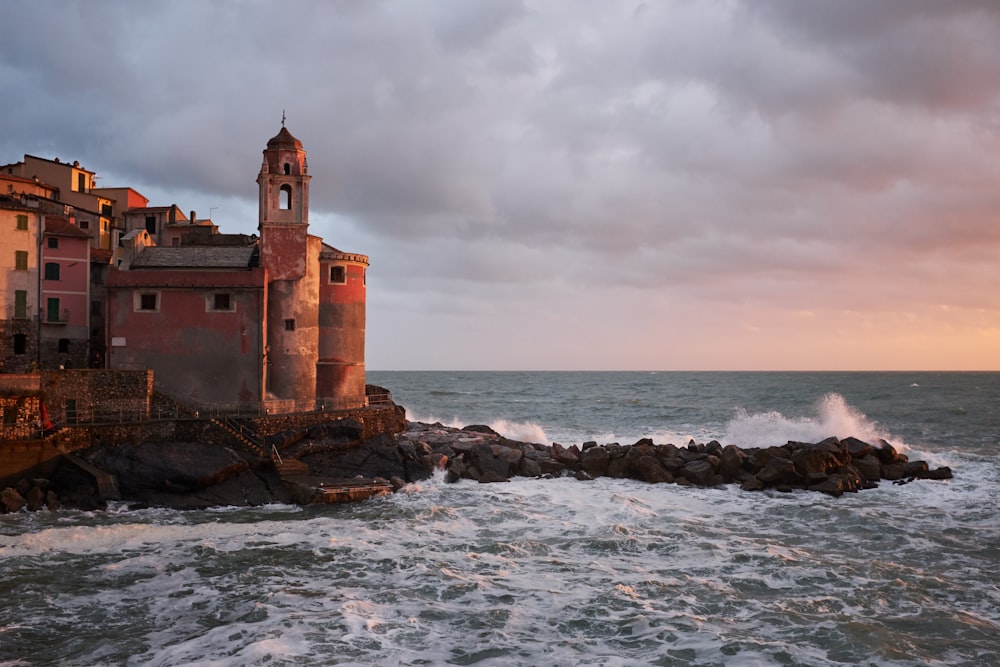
<point>64,304</point>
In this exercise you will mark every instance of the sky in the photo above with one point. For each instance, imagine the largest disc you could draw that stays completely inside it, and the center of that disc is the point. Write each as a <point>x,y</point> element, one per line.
<point>571,184</point>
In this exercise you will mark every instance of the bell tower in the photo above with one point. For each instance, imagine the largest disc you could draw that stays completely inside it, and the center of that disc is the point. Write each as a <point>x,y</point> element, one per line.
<point>290,258</point>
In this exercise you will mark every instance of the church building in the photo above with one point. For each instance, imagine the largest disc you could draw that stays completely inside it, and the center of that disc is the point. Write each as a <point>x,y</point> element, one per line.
<point>272,322</point>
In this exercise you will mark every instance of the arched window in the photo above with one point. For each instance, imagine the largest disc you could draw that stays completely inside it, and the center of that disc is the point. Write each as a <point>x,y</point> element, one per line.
<point>20,343</point>
<point>286,196</point>
<point>288,169</point>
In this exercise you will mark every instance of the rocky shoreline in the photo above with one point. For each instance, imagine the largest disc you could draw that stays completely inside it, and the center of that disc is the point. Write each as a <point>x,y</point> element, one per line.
<point>192,475</point>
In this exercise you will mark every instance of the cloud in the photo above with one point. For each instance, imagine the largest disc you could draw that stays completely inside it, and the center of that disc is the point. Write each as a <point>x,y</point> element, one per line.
<point>525,159</point>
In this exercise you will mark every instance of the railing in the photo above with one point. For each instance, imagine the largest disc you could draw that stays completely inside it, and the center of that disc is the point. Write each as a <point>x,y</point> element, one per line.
<point>139,411</point>
<point>279,407</point>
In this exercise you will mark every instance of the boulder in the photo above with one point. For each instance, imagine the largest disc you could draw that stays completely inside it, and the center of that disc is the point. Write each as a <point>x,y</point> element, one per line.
<point>595,460</point>
<point>699,472</point>
<point>943,472</point>
<point>731,462</point>
<point>779,471</point>
<point>858,448</point>
<point>648,468</point>
<point>35,499</point>
<point>529,468</point>
<point>869,466</point>
<point>11,500</point>
<point>568,456</point>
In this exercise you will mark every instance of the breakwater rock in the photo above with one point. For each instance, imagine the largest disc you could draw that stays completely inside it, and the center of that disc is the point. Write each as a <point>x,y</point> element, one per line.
<point>833,466</point>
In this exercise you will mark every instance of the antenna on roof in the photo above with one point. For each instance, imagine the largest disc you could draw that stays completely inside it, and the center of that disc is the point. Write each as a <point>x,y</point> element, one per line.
<point>282,118</point>
<point>210,209</point>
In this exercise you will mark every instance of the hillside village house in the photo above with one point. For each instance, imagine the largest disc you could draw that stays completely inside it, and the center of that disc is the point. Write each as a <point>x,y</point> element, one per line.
<point>95,276</point>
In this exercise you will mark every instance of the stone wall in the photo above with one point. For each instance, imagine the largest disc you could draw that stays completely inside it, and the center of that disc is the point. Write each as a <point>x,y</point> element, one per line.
<point>81,394</point>
<point>19,416</point>
<point>383,419</point>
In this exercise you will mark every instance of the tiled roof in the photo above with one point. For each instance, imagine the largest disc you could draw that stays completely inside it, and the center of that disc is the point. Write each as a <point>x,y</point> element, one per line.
<point>195,257</point>
<point>101,255</point>
<point>62,227</point>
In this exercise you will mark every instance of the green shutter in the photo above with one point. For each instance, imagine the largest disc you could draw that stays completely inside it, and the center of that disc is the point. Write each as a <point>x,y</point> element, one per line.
<point>21,260</point>
<point>22,222</point>
<point>20,304</point>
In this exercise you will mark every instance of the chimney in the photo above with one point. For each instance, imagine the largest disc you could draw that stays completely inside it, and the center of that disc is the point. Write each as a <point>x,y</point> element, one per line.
<point>194,217</point>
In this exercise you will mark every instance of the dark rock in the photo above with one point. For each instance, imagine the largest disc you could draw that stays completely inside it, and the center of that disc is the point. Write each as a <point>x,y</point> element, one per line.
<point>595,460</point>
<point>584,476</point>
<point>648,468</point>
<point>869,466</point>
<point>643,441</point>
<point>35,499</point>
<point>550,466</point>
<point>397,483</point>
<point>699,472</point>
<point>587,445</point>
<point>480,428</point>
<point>893,471</point>
<point>11,500</point>
<point>914,468</point>
<point>943,472</point>
<point>752,484</point>
<point>779,471</point>
<point>816,459</point>
<point>887,453</point>
<point>731,462</point>
<point>858,448</point>
<point>22,486</point>
<point>52,501</point>
<point>530,468</point>
<point>618,466</point>
<point>832,486</point>
<point>490,477</point>
<point>565,455</point>
<point>761,457</point>
<point>673,463</point>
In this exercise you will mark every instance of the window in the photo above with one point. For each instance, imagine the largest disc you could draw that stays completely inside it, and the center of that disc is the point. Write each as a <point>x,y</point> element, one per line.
<point>338,274</point>
<point>286,197</point>
<point>52,310</point>
<point>53,242</point>
<point>20,343</point>
<point>85,224</point>
<point>9,416</point>
<point>20,304</point>
<point>81,182</point>
<point>289,325</point>
<point>151,224</point>
<point>95,307</point>
<point>106,210</point>
<point>147,302</point>
<point>22,222</point>
<point>63,345</point>
<point>51,271</point>
<point>288,169</point>
<point>21,260</point>
<point>222,302</point>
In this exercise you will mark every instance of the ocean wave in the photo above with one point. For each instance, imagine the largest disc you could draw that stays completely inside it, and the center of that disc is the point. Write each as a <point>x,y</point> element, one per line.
<point>834,417</point>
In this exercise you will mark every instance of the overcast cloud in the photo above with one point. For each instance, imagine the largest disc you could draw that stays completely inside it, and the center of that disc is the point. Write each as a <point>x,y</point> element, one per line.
<point>580,184</point>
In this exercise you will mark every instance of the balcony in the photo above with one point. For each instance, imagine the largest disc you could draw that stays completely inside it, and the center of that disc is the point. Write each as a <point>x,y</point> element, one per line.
<point>57,319</point>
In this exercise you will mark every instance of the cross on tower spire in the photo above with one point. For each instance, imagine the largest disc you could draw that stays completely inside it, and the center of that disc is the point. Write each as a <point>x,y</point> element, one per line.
<point>282,118</point>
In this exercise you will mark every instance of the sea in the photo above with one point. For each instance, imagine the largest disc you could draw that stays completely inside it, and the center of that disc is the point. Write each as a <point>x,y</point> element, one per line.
<point>557,571</point>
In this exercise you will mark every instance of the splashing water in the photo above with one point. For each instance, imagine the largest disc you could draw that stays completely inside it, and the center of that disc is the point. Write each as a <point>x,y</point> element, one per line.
<point>834,418</point>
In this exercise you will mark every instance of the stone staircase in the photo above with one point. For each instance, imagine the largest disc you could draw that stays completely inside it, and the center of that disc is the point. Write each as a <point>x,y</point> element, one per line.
<point>250,440</point>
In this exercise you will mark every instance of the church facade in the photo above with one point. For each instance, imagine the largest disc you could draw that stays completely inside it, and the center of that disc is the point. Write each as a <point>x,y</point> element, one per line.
<point>272,322</point>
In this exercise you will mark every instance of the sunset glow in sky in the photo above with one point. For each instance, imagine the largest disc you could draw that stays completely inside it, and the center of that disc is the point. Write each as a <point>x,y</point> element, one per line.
<point>576,184</point>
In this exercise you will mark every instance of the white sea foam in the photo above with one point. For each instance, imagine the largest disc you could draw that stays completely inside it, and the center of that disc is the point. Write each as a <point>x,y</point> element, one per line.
<point>834,417</point>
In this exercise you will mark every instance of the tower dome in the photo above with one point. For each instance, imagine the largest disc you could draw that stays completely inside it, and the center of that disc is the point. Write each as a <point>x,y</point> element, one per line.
<point>284,140</point>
